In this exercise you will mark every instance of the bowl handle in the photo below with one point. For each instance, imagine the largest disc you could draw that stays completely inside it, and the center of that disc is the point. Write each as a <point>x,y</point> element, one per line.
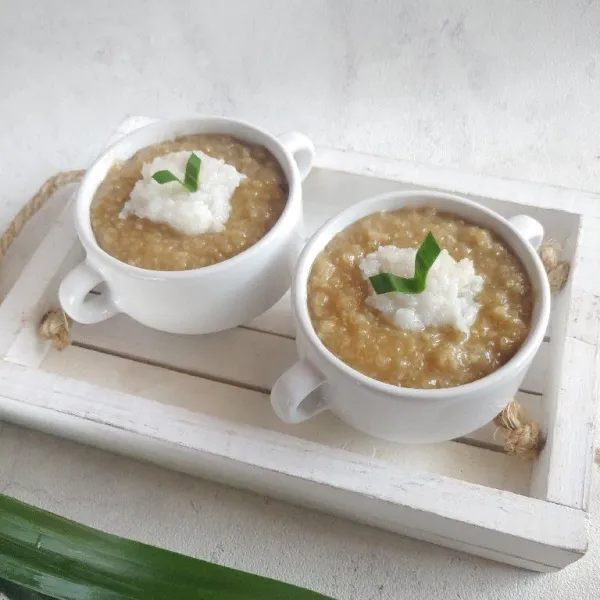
<point>291,396</point>
<point>529,228</point>
<point>302,150</point>
<point>75,298</point>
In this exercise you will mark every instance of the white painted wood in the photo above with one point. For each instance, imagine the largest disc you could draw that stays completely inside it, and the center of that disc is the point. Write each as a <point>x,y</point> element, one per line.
<point>563,472</point>
<point>326,193</point>
<point>430,507</point>
<point>259,358</point>
<point>536,556</point>
<point>476,185</point>
<point>252,408</point>
<point>276,320</point>
<point>33,292</point>
<point>27,348</point>
<point>204,409</point>
<point>36,289</point>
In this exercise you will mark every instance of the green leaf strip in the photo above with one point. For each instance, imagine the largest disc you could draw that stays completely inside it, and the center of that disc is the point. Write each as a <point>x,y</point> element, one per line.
<point>426,255</point>
<point>59,558</point>
<point>165,177</point>
<point>192,174</point>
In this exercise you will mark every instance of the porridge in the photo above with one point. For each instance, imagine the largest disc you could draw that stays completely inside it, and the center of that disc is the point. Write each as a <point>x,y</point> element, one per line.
<point>156,225</point>
<point>420,340</point>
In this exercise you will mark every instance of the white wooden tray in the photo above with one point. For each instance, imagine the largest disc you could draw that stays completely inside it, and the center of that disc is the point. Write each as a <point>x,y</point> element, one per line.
<point>200,404</point>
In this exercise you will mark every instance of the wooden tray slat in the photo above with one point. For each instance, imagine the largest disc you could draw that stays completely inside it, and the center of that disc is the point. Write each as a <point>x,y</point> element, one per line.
<point>327,192</point>
<point>492,523</point>
<point>250,407</point>
<point>242,356</point>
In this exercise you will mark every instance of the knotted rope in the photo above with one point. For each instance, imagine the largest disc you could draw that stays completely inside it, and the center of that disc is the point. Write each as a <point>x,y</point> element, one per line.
<point>522,436</point>
<point>55,325</point>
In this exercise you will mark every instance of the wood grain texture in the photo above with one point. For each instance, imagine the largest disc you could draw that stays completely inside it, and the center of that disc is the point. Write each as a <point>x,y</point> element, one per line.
<point>485,521</point>
<point>35,291</point>
<point>252,408</point>
<point>523,193</point>
<point>563,472</point>
<point>258,358</point>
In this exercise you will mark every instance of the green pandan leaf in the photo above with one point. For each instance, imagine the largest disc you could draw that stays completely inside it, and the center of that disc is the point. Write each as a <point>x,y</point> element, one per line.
<point>12,591</point>
<point>55,557</point>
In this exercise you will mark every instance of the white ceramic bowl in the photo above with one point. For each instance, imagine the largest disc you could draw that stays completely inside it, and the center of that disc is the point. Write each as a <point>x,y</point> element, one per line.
<point>321,381</point>
<point>204,300</point>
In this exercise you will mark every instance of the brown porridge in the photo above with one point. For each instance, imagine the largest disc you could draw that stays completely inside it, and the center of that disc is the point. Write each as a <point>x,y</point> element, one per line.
<point>437,357</point>
<point>257,203</point>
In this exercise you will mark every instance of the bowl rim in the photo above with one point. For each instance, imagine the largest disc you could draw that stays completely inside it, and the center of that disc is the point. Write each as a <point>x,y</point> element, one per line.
<point>177,127</point>
<point>518,362</point>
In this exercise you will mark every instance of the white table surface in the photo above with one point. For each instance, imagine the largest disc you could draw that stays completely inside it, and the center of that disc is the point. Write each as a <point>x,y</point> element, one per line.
<point>509,88</point>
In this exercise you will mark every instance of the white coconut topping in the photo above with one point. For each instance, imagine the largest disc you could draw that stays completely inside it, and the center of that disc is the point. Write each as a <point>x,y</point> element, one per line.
<point>204,211</point>
<point>448,299</point>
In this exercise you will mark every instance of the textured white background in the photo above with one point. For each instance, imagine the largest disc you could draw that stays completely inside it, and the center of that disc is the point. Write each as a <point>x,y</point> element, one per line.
<point>510,88</point>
